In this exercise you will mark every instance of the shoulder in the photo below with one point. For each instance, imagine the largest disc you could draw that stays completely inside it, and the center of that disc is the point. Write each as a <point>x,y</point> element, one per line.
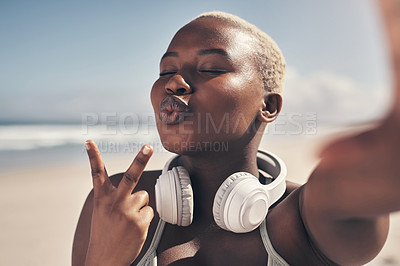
<point>290,188</point>
<point>287,233</point>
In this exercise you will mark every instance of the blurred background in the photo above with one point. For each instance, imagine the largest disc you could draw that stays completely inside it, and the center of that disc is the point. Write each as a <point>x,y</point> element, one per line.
<point>77,70</point>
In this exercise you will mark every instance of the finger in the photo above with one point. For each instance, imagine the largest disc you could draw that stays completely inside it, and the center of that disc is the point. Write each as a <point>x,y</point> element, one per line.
<point>99,174</point>
<point>132,175</point>
<point>140,199</point>
<point>147,214</point>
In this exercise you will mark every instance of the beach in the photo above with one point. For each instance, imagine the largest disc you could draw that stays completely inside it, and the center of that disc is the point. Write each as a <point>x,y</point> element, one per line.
<point>42,193</point>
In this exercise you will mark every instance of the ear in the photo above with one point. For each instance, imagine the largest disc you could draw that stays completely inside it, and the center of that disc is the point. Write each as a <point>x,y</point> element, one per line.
<point>271,107</point>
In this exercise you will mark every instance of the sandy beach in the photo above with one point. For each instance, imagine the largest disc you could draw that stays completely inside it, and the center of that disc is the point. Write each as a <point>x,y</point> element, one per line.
<point>40,203</point>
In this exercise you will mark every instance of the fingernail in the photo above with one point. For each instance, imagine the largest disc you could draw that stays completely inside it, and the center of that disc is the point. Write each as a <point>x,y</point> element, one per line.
<point>87,145</point>
<point>146,150</point>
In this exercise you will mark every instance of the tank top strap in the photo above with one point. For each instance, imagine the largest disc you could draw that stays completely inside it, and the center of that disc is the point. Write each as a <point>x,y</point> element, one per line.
<point>274,259</point>
<point>150,257</point>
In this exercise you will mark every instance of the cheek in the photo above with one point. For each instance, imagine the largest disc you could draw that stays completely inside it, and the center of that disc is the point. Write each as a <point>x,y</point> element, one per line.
<point>230,109</point>
<point>156,95</point>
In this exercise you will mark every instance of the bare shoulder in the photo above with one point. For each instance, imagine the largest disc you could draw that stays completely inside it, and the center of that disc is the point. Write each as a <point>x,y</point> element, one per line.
<point>287,232</point>
<point>290,187</point>
<point>82,233</point>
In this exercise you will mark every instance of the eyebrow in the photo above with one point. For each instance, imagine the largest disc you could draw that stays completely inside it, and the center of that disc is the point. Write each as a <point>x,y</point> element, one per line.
<point>169,54</point>
<point>201,52</point>
<point>213,51</point>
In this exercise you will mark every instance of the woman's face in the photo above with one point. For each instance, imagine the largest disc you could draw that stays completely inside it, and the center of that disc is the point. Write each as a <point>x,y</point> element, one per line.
<point>209,90</point>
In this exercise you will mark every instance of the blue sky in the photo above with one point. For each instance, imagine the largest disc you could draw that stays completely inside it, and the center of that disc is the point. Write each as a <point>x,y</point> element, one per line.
<point>60,59</point>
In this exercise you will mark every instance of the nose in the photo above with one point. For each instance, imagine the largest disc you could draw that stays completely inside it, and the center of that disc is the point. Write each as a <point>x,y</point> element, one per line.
<point>178,86</point>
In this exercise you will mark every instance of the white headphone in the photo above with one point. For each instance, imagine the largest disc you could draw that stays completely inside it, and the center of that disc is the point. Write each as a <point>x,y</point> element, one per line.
<point>240,204</point>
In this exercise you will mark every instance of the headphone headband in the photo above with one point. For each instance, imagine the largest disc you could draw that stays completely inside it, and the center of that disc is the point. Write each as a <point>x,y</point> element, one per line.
<point>274,166</point>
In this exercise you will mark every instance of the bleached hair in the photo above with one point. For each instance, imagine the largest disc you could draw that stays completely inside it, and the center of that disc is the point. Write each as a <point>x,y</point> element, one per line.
<point>268,56</point>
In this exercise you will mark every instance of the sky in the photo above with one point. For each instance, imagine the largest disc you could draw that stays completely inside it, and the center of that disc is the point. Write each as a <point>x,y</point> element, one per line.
<point>62,60</point>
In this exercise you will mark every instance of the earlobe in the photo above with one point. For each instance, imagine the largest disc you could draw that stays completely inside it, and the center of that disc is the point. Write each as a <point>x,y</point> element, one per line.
<point>271,107</point>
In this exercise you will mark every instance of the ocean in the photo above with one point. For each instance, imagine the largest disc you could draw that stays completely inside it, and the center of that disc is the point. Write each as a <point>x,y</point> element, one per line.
<point>24,145</point>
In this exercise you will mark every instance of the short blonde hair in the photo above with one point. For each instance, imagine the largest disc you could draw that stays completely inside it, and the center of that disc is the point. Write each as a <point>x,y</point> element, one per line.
<point>268,56</point>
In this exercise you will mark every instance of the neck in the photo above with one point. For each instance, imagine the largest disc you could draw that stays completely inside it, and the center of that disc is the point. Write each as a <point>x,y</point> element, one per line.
<point>208,171</point>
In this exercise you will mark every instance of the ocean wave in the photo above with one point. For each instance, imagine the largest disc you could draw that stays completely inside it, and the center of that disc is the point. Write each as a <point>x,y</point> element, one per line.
<point>30,137</point>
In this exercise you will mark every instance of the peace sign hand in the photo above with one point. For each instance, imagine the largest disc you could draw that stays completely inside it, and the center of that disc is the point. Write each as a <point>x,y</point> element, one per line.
<point>120,220</point>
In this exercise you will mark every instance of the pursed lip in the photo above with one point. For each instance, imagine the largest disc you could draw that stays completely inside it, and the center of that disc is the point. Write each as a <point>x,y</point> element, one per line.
<point>173,110</point>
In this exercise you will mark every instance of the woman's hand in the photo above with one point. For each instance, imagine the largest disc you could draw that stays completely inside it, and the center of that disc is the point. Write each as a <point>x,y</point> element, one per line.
<point>120,220</point>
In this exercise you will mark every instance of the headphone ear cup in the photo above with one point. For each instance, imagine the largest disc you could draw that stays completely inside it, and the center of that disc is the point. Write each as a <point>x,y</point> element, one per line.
<point>184,197</point>
<point>220,199</point>
<point>240,204</point>
<point>174,197</point>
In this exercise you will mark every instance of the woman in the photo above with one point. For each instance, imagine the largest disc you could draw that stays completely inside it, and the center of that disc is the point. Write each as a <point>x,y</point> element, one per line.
<point>220,82</point>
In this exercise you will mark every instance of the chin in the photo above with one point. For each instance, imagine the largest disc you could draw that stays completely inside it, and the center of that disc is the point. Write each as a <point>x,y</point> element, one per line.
<point>175,147</point>
<point>195,147</point>
<point>174,143</point>
<point>185,141</point>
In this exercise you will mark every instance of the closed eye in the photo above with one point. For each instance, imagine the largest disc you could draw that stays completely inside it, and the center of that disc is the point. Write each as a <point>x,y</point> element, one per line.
<point>213,71</point>
<point>167,73</point>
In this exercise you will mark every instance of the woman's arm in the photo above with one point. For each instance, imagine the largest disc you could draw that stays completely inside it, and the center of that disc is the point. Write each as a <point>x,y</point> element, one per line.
<point>82,233</point>
<point>347,200</point>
